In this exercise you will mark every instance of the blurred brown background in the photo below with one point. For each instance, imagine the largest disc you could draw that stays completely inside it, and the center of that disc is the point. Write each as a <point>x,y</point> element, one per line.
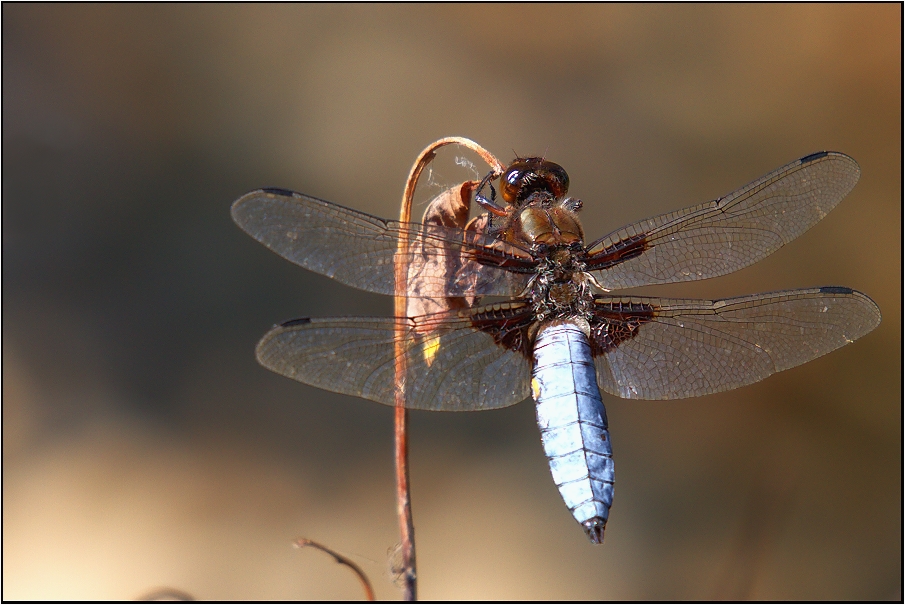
<point>142,444</point>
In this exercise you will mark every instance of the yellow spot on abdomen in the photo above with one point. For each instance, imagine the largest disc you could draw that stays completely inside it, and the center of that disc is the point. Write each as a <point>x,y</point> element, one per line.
<point>535,388</point>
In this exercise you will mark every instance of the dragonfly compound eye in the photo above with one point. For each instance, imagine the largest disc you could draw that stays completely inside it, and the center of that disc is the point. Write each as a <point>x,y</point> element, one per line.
<point>525,176</point>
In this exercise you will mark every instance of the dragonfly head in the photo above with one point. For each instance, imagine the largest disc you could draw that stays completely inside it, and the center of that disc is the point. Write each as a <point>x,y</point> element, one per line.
<point>525,176</point>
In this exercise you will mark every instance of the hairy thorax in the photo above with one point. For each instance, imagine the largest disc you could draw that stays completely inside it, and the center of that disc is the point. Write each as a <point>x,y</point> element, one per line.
<point>550,228</point>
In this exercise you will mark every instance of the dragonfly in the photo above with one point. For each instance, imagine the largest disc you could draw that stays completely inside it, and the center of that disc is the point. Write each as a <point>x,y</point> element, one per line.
<point>559,334</point>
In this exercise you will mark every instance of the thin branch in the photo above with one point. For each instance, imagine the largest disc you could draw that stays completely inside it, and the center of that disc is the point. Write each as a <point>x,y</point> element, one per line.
<point>365,583</point>
<point>166,594</point>
<point>403,494</point>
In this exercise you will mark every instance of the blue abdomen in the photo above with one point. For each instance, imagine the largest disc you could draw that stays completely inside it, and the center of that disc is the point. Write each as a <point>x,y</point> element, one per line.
<point>572,422</point>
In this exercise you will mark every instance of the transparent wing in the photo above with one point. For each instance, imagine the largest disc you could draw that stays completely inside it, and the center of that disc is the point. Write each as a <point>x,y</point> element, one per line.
<point>457,361</point>
<point>358,249</point>
<point>727,234</point>
<point>652,348</point>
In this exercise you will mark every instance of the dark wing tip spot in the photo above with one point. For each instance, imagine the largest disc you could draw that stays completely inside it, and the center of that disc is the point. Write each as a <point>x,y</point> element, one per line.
<point>295,322</point>
<point>835,290</point>
<point>277,191</point>
<point>814,156</point>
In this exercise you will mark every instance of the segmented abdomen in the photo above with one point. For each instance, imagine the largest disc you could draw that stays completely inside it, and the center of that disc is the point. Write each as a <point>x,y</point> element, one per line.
<point>572,422</point>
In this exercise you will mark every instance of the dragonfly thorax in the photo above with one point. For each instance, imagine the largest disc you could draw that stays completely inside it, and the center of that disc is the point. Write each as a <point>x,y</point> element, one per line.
<point>550,225</point>
<point>561,288</point>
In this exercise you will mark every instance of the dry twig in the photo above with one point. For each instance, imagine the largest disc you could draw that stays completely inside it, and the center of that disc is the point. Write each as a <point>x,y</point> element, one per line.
<point>365,583</point>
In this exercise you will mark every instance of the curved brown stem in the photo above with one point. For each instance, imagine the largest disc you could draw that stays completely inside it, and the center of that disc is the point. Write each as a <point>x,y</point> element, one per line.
<point>403,495</point>
<point>166,594</point>
<point>365,583</point>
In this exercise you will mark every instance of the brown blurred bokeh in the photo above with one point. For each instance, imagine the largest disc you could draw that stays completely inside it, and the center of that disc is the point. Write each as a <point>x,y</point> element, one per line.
<point>144,447</point>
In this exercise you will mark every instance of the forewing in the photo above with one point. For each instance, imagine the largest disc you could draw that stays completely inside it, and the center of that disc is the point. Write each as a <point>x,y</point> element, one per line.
<point>651,348</point>
<point>727,234</point>
<point>358,249</point>
<point>465,360</point>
